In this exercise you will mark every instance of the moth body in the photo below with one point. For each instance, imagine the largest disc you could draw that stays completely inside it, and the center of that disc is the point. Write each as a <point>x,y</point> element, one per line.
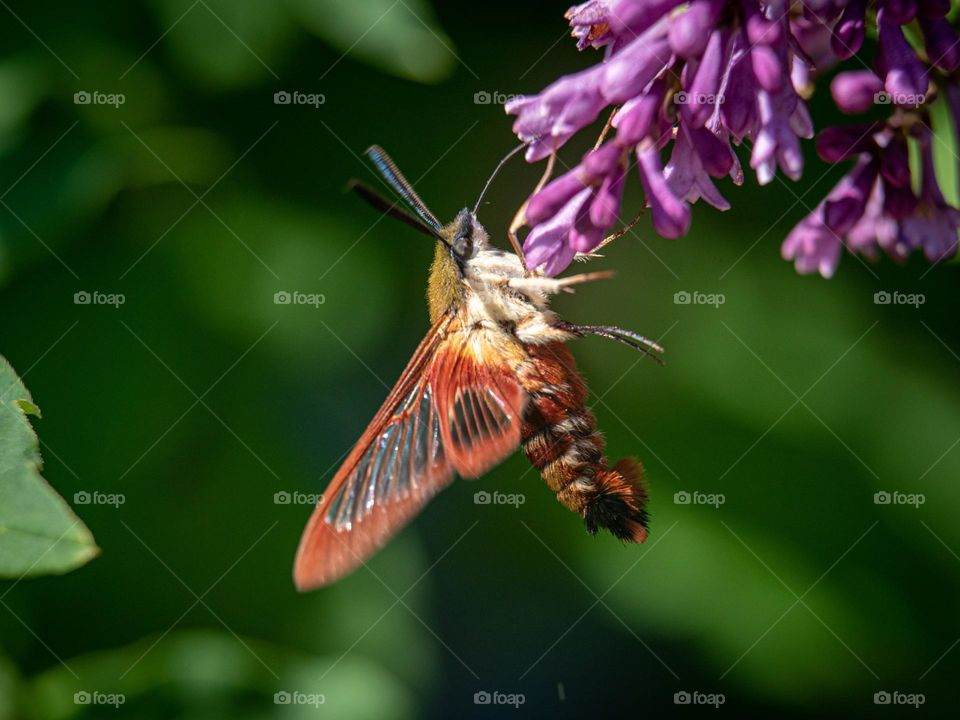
<point>559,433</point>
<point>492,374</point>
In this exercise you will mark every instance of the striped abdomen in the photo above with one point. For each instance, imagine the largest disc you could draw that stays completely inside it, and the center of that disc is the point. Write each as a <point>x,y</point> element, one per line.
<point>561,440</point>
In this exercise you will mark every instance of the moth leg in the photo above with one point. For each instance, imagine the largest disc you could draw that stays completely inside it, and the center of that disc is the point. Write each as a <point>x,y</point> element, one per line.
<point>556,285</point>
<point>610,238</point>
<point>612,332</point>
<point>520,219</point>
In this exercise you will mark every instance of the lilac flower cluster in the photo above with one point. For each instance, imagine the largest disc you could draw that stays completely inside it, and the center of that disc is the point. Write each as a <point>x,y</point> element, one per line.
<point>692,79</point>
<point>875,206</point>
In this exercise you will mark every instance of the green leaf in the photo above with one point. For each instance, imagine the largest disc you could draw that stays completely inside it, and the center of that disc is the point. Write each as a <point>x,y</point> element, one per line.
<point>915,153</point>
<point>914,36</point>
<point>945,151</point>
<point>226,676</point>
<point>399,38</point>
<point>39,534</point>
<point>225,43</point>
<point>9,682</point>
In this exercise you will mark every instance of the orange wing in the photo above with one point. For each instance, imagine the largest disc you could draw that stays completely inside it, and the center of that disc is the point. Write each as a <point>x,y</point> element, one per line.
<point>456,408</point>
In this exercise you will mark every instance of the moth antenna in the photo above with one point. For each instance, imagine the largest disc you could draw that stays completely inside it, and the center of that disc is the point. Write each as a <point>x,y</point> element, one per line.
<point>389,207</point>
<point>392,175</point>
<point>496,170</point>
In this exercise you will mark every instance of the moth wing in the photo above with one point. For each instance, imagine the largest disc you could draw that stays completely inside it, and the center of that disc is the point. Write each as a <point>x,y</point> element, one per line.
<point>456,408</point>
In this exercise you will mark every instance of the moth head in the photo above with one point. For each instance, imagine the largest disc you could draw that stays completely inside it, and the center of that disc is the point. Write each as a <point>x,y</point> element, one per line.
<point>457,244</point>
<point>465,236</point>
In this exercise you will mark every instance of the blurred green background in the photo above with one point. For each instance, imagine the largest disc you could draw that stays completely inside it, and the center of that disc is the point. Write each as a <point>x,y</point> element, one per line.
<point>198,198</point>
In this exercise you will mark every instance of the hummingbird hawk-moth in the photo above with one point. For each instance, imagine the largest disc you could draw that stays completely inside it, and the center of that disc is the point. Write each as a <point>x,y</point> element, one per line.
<point>492,373</point>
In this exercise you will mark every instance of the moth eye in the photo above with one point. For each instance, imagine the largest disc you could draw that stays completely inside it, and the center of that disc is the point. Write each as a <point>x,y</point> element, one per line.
<point>462,245</point>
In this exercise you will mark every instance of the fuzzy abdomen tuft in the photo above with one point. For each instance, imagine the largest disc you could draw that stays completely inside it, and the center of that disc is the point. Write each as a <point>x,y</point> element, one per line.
<point>560,438</point>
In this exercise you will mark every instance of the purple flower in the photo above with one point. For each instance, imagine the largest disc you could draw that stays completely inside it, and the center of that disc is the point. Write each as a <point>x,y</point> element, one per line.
<point>778,142</point>
<point>627,73</point>
<point>813,38</point>
<point>691,30</point>
<point>933,225</point>
<point>572,213</point>
<point>614,23</point>
<point>849,32</point>
<point>642,43</point>
<point>900,11</point>
<point>687,173</point>
<point>704,88</point>
<point>874,229</point>
<point>767,68</point>
<point>669,214</point>
<point>942,42</point>
<point>895,165</point>
<point>547,245</point>
<point>934,8</point>
<point>629,18</point>
<point>605,208</point>
<point>738,112</point>
<point>707,75</point>
<point>590,23</point>
<point>905,77</point>
<point>546,121</point>
<point>845,204</point>
<point>812,246</point>
<point>874,208</point>
<point>642,116</point>
<point>855,91</point>
<point>547,203</point>
<point>842,142</point>
<point>952,97</point>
